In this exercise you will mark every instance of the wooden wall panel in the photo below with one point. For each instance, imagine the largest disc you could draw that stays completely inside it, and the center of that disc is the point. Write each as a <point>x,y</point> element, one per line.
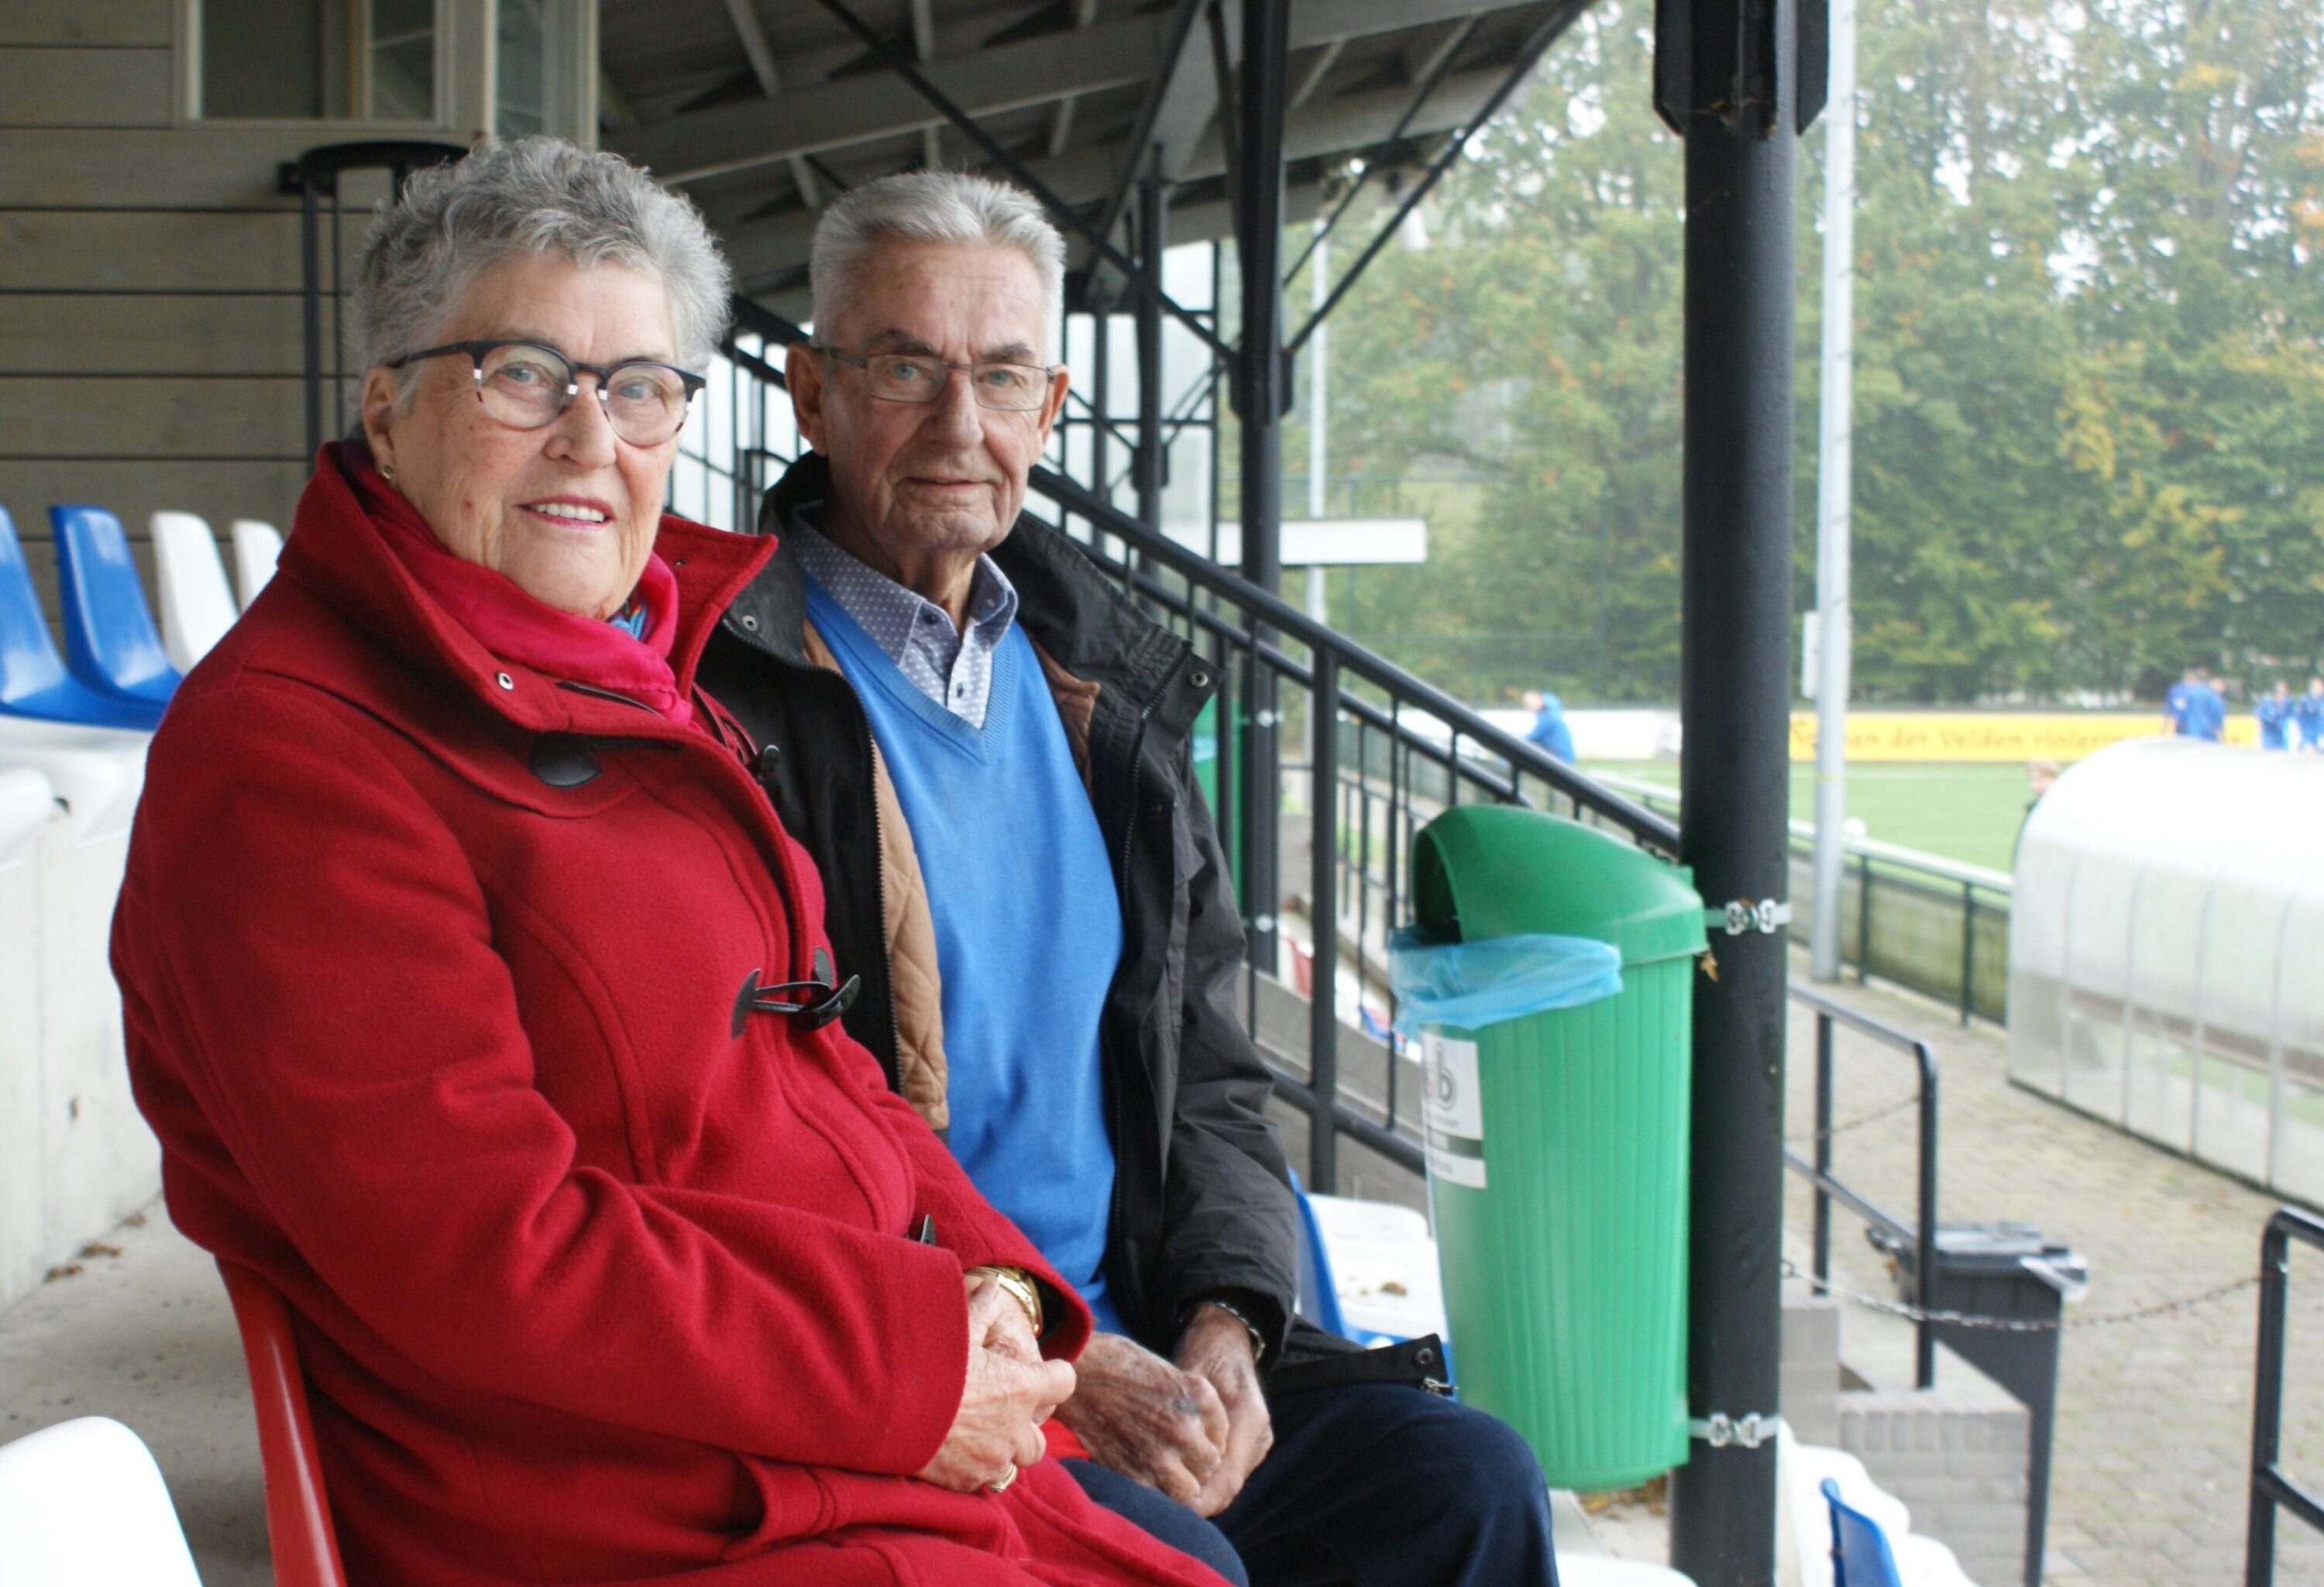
<point>85,87</point>
<point>81,417</point>
<point>189,167</point>
<point>86,21</point>
<point>63,333</point>
<point>159,251</point>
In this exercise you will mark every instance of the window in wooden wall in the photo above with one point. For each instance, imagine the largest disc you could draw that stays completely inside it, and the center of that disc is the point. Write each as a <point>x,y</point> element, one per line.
<point>319,59</point>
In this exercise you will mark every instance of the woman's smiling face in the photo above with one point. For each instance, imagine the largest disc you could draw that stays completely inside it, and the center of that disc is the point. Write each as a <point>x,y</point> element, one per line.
<point>568,512</point>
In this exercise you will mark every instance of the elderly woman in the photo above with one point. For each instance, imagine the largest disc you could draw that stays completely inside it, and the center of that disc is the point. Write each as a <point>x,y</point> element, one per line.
<point>483,1006</point>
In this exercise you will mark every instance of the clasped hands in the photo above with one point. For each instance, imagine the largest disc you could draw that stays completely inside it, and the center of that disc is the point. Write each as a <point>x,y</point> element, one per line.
<point>1195,1427</point>
<point>1008,1393</point>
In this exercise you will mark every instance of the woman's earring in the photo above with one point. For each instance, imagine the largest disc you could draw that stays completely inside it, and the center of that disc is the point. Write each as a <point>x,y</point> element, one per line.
<point>387,472</point>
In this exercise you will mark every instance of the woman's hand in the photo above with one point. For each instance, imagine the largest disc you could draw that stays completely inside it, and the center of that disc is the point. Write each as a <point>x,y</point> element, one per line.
<point>1009,1393</point>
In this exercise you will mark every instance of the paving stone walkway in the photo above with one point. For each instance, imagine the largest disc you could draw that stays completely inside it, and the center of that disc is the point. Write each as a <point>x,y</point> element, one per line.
<point>2153,1433</point>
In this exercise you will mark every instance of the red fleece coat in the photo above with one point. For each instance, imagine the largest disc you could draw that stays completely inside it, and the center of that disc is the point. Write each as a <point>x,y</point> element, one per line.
<point>590,1286</point>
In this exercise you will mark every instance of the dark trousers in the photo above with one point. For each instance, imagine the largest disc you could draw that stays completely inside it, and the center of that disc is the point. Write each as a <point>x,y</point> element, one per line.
<point>1372,1485</point>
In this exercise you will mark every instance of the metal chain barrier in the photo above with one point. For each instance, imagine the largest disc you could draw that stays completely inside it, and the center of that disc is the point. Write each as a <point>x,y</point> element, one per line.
<point>1900,1106</point>
<point>1897,1308</point>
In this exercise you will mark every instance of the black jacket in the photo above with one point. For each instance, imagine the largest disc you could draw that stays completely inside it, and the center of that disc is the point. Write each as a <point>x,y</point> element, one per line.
<point>1201,1200</point>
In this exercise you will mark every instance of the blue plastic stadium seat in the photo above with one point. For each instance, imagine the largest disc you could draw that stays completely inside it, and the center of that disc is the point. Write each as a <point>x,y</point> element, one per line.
<point>1319,1295</point>
<point>1860,1554</point>
<point>110,642</point>
<point>34,683</point>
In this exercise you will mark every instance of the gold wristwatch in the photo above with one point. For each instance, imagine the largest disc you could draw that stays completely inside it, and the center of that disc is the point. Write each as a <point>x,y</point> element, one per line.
<point>1020,1287</point>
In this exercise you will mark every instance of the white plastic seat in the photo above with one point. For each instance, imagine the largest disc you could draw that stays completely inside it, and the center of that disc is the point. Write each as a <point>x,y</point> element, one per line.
<point>98,772</point>
<point>83,1505</point>
<point>257,546</point>
<point>27,804</point>
<point>197,603</point>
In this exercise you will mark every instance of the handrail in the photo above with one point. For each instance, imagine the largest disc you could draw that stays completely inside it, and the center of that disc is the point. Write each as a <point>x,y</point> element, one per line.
<point>2271,1489</point>
<point>1882,869</point>
<point>1887,853</point>
<point>1922,1233</point>
<point>1274,612</point>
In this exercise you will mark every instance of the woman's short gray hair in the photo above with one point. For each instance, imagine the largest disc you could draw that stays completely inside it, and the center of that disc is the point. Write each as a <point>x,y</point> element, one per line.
<point>932,206</point>
<point>523,199</point>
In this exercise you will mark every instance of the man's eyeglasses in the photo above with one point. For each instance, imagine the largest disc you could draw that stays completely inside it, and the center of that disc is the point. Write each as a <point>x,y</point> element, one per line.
<point>526,386</point>
<point>920,377</point>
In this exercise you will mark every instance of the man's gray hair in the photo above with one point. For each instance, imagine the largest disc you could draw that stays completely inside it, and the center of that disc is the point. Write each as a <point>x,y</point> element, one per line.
<point>527,198</point>
<point>932,206</point>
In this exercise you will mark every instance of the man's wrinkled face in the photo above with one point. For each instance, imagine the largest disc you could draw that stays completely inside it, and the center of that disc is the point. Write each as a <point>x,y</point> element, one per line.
<point>939,483</point>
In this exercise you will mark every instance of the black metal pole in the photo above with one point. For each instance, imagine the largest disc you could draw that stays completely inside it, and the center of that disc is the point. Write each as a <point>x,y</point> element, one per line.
<point>2267,1405</point>
<point>1925,1256</point>
<point>310,308</point>
<point>1263,393</point>
<point>1324,910</point>
<point>1819,1248</point>
<point>1726,79</point>
<point>1152,219</point>
<point>1100,387</point>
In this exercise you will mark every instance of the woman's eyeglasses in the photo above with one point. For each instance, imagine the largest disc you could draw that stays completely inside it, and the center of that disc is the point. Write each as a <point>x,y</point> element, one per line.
<point>526,386</point>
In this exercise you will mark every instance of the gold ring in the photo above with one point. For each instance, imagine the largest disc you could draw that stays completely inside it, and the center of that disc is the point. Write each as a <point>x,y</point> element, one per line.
<point>997,1487</point>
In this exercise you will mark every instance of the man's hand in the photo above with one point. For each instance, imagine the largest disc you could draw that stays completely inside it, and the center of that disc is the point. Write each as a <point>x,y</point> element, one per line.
<point>1147,1419</point>
<point>1217,1349</point>
<point>1011,1391</point>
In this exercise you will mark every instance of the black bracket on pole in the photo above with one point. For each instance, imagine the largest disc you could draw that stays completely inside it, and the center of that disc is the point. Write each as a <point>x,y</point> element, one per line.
<point>1706,65</point>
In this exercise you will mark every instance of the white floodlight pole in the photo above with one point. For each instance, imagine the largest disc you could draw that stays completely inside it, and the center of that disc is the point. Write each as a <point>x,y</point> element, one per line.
<point>1833,494</point>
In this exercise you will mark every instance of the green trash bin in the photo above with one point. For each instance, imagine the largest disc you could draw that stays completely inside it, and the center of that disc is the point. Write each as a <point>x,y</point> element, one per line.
<point>1558,1148</point>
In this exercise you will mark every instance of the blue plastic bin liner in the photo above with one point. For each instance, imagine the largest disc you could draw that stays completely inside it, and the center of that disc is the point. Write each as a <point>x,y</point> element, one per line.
<point>1469,985</point>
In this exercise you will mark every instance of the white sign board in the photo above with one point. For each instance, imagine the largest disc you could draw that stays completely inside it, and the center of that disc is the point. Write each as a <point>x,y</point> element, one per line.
<point>1319,542</point>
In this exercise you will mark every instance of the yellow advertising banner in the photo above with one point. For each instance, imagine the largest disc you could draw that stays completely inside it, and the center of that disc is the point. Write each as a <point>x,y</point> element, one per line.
<point>1992,735</point>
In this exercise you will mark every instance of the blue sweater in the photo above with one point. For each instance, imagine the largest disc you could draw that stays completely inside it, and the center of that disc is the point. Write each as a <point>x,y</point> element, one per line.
<point>1028,932</point>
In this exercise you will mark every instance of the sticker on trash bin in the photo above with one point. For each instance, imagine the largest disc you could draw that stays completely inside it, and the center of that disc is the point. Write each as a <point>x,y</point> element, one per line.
<point>1453,1110</point>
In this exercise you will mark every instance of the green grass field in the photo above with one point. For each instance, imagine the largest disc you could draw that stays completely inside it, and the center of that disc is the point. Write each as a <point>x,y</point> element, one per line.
<point>1966,812</point>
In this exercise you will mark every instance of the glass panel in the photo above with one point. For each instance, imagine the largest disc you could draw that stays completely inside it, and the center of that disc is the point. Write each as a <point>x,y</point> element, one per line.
<point>2231,1120</point>
<point>2300,1155</point>
<point>530,92</point>
<point>318,60</point>
<point>262,60</point>
<point>402,60</point>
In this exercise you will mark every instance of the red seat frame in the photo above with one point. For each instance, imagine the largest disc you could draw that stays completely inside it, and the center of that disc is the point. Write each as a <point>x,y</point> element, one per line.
<point>298,1531</point>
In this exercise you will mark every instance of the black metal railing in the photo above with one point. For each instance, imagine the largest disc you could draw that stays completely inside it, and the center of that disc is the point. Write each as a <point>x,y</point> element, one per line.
<point>1916,921</point>
<point>1389,752</point>
<point>2272,1489</point>
<point>1816,1165</point>
<point>1385,751</point>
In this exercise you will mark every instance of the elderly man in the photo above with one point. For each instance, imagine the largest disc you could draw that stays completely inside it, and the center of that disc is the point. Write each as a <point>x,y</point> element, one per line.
<point>985,747</point>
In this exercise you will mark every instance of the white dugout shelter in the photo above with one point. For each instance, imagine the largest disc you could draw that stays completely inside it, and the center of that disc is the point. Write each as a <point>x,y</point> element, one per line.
<point>2166,953</point>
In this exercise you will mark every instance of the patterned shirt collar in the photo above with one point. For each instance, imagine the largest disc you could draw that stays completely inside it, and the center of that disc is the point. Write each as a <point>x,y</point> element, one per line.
<point>951,667</point>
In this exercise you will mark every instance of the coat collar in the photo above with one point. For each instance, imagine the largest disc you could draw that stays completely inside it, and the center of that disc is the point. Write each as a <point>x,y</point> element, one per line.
<point>338,554</point>
<point>1065,604</point>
